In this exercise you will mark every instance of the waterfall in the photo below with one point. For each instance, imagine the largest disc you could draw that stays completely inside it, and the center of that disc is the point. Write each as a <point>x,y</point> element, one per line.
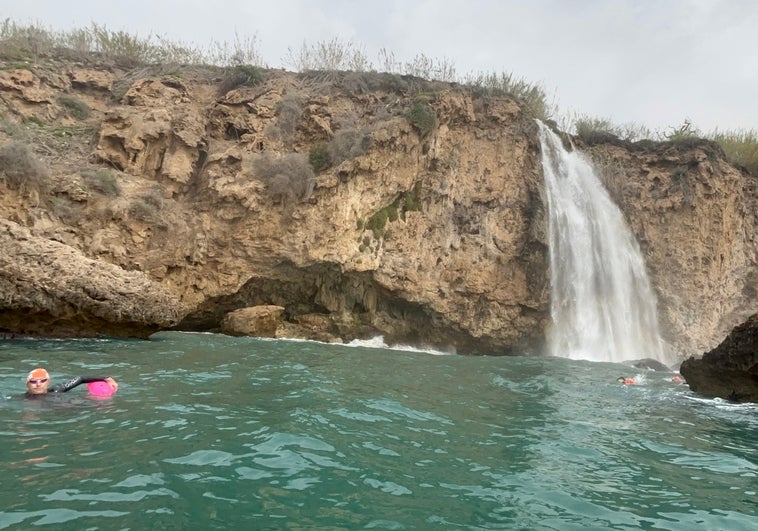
<point>602,305</point>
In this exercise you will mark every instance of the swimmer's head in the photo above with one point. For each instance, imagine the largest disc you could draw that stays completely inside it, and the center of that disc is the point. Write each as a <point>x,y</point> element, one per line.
<point>37,381</point>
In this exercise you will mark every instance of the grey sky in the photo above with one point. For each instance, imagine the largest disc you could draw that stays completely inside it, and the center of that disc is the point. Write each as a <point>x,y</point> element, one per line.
<point>651,62</point>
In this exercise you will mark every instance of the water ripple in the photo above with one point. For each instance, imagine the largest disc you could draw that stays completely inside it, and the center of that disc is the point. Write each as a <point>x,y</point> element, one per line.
<point>212,432</point>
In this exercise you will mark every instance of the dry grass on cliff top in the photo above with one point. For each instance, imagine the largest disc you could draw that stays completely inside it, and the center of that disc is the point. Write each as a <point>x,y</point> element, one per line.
<point>24,44</point>
<point>740,147</point>
<point>21,44</point>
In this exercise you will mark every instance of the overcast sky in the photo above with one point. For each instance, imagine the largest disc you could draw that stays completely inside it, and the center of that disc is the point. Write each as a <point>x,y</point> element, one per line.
<point>649,62</point>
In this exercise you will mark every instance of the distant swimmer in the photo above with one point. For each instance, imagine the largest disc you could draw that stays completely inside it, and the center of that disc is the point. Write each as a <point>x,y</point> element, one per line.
<point>677,379</point>
<point>38,383</point>
<point>625,381</point>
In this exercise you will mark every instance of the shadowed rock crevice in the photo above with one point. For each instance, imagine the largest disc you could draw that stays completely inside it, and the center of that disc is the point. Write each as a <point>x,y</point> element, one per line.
<point>321,302</point>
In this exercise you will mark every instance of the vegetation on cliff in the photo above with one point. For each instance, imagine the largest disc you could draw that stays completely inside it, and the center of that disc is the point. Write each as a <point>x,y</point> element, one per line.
<point>242,60</point>
<point>22,44</point>
<point>740,147</point>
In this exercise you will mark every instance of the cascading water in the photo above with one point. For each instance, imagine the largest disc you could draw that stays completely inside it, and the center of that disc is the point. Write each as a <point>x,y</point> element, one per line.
<point>602,305</point>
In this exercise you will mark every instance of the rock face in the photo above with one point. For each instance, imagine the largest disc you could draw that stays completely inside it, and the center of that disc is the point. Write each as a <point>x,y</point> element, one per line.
<point>424,231</point>
<point>51,289</point>
<point>730,370</point>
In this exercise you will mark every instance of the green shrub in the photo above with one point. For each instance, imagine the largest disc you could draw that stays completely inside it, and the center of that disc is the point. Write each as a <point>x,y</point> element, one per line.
<point>21,169</point>
<point>411,199</point>
<point>143,211</point>
<point>423,117</point>
<point>287,178</point>
<point>153,197</point>
<point>147,207</point>
<point>319,157</point>
<point>364,82</point>
<point>377,222</point>
<point>405,202</point>
<point>346,144</point>
<point>75,107</point>
<point>102,180</point>
<point>240,76</point>
<point>596,130</point>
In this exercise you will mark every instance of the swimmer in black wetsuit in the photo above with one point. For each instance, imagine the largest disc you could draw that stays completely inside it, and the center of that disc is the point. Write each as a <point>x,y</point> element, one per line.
<point>38,383</point>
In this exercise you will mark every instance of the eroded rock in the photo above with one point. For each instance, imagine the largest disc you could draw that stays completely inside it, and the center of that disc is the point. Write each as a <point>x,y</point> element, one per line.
<point>49,289</point>
<point>258,321</point>
<point>730,370</point>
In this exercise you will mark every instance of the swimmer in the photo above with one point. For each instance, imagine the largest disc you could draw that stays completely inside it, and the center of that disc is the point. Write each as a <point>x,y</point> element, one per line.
<point>625,381</point>
<point>38,383</point>
<point>677,379</point>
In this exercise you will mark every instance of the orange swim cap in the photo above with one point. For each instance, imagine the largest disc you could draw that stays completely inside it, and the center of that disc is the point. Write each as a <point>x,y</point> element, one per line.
<point>37,373</point>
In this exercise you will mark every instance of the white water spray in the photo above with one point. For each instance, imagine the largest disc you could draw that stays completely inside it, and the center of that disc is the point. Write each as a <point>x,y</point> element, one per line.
<point>602,305</point>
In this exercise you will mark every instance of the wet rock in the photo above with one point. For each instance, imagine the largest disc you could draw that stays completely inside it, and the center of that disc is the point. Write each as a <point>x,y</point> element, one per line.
<point>257,321</point>
<point>730,370</point>
<point>649,364</point>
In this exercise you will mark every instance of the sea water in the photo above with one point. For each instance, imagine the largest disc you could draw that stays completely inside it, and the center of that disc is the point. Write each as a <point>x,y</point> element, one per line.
<point>214,432</point>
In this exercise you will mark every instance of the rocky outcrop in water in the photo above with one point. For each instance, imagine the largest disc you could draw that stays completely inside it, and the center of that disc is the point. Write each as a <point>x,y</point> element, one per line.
<point>51,289</point>
<point>362,204</point>
<point>730,370</point>
<point>258,321</point>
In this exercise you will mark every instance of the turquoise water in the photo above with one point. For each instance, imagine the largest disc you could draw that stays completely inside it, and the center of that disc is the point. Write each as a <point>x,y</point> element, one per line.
<point>214,432</point>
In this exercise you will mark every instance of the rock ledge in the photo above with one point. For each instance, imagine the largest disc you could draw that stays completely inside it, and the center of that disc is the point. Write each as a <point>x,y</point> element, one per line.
<point>730,370</point>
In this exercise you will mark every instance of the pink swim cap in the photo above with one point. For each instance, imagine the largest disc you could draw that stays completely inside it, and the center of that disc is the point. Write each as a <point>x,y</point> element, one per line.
<point>100,388</point>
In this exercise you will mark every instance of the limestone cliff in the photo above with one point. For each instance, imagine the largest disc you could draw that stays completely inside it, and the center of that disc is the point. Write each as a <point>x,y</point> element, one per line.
<point>426,229</point>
